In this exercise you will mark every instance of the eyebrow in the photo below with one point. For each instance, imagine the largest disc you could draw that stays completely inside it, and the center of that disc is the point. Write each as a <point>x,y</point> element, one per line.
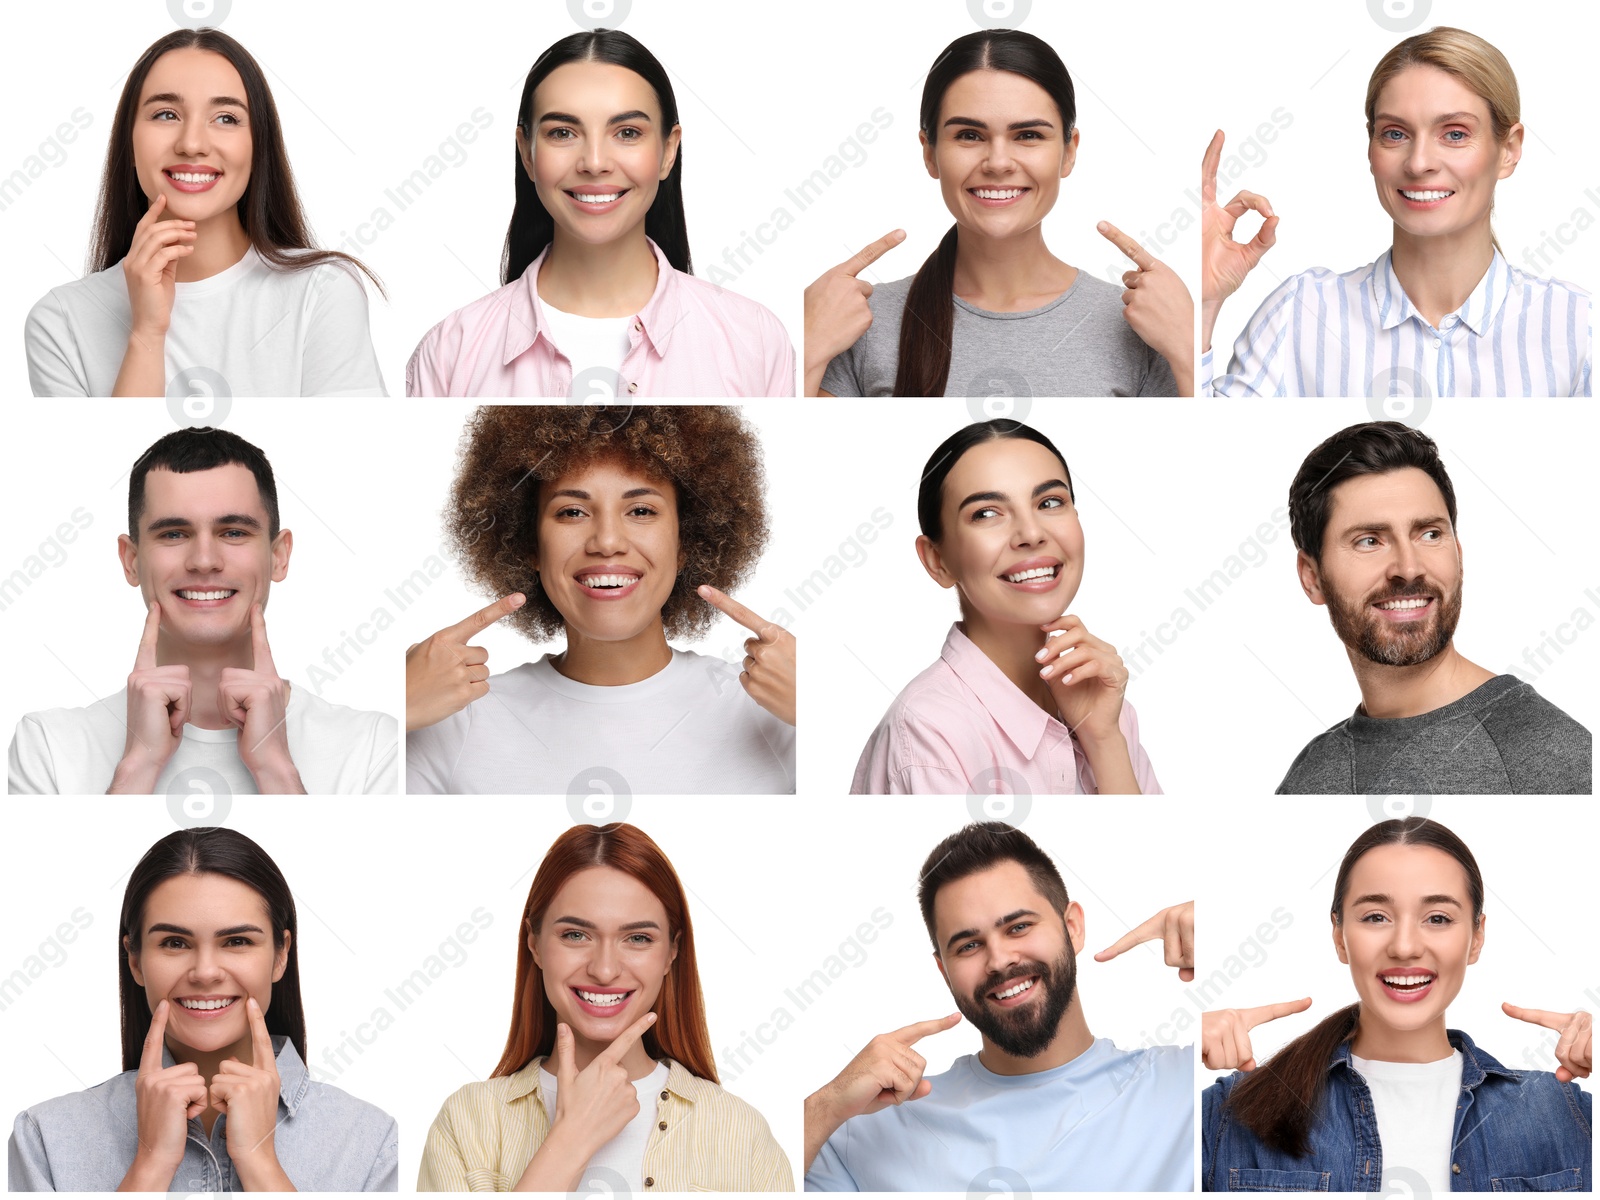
<point>964,934</point>
<point>1385,898</point>
<point>637,114</point>
<point>1439,120</point>
<point>1047,485</point>
<point>216,101</point>
<point>974,123</point>
<point>163,927</point>
<point>1386,527</point>
<point>630,494</point>
<point>184,523</point>
<point>628,928</point>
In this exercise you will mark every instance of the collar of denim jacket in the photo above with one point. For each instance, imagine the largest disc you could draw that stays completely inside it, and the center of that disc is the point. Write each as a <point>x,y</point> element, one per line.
<point>1476,1065</point>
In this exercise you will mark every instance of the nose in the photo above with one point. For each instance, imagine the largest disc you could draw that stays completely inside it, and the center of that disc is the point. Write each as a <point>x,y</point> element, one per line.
<point>1002,957</point>
<point>1404,563</point>
<point>193,140</point>
<point>1404,941</point>
<point>206,967</point>
<point>606,534</point>
<point>1419,161</point>
<point>603,962</point>
<point>998,160</point>
<point>596,157</point>
<point>1027,530</point>
<point>204,553</point>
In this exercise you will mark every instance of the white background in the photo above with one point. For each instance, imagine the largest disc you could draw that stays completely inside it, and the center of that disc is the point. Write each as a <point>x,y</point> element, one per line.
<point>1315,174</point>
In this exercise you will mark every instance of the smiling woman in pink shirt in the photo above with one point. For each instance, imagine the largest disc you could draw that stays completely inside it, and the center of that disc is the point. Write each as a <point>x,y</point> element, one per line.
<point>598,300</point>
<point>1024,699</point>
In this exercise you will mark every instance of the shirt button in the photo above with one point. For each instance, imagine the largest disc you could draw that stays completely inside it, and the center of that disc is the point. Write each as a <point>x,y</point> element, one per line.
<point>1455,1168</point>
<point>632,387</point>
<point>662,1125</point>
<point>1437,342</point>
<point>638,328</point>
<point>663,1095</point>
<point>649,1181</point>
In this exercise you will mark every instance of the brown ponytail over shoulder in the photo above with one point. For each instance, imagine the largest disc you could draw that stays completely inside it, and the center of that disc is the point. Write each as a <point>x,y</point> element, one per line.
<point>1278,1101</point>
<point>928,324</point>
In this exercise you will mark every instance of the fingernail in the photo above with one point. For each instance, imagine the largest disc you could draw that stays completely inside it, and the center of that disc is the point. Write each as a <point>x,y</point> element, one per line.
<point>1044,674</point>
<point>518,600</point>
<point>652,1016</point>
<point>1067,678</point>
<point>1039,657</point>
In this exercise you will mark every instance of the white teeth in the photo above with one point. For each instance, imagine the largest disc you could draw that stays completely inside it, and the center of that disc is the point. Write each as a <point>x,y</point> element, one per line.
<point>1407,981</point>
<point>205,1005</point>
<point>1416,602</point>
<point>609,581</point>
<point>997,193</point>
<point>1013,991</point>
<point>1425,195</point>
<point>191,177</point>
<point>193,595</point>
<point>581,198</point>
<point>1031,573</point>
<point>603,999</point>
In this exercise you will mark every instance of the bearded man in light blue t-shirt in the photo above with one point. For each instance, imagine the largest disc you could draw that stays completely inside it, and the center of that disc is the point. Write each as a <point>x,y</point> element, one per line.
<point>1044,1105</point>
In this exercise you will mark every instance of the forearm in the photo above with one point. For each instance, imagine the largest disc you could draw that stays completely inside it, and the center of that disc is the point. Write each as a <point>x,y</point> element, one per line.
<point>263,1174</point>
<point>147,1176</point>
<point>144,366</point>
<point>814,374</point>
<point>277,778</point>
<point>1183,371</point>
<point>820,1125</point>
<point>1110,761</point>
<point>133,777</point>
<point>556,1166</point>
<point>1208,320</point>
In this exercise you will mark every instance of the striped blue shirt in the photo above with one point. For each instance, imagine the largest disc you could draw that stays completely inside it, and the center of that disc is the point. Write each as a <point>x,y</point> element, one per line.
<point>1358,334</point>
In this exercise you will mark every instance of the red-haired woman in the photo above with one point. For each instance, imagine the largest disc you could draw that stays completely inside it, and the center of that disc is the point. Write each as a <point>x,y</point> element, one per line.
<point>607,1076</point>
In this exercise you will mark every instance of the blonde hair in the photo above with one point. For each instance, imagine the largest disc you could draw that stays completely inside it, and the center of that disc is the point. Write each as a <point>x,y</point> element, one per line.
<point>1476,63</point>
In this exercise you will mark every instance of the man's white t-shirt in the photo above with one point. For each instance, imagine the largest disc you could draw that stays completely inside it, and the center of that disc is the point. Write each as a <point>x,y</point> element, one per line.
<point>250,330</point>
<point>1415,1105</point>
<point>689,728</point>
<point>589,342</point>
<point>337,751</point>
<point>623,1155</point>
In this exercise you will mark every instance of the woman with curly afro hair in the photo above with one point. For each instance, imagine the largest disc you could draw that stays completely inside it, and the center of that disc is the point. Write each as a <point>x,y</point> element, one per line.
<point>611,530</point>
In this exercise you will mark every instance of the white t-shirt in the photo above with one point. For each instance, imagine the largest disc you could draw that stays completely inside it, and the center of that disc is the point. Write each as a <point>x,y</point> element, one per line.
<point>251,330</point>
<point>75,751</point>
<point>690,727</point>
<point>1415,1105</point>
<point>589,342</point>
<point>624,1154</point>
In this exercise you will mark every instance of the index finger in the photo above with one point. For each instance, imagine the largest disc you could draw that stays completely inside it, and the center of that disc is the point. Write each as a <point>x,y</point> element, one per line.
<point>1147,932</point>
<point>485,617</point>
<point>146,658</point>
<point>909,1035</point>
<point>1142,258</point>
<point>748,617</point>
<point>873,251</point>
<point>1208,169</point>
<point>1271,1012</point>
<point>150,1056</point>
<point>626,1040</point>
<point>258,641</point>
<point>260,1039</point>
<point>1538,1016</point>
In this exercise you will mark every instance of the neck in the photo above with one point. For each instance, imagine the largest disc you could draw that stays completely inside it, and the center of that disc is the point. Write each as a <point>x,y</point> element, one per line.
<point>615,279</point>
<point>1439,273</point>
<point>221,242</point>
<point>1391,692</point>
<point>1010,274</point>
<point>1072,1039</point>
<point>1385,1044</point>
<point>614,663</point>
<point>206,664</point>
<point>1011,648</point>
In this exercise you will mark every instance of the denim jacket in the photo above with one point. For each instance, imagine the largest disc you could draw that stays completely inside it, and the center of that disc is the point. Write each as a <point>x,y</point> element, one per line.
<point>326,1139</point>
<point>1515,1131</point>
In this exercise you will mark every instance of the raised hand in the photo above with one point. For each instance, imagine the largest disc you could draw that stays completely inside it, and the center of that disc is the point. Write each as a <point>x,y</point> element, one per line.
<point>1157,306</point>
<point>151,268</point>
<point>256,702</point>
<point>158,707</point>
<point>600,1099</point>
<point>165,1099</point>
<point>1174,926</point>
<point>1224,262</point>
<point>769,664</point>
<point>1574,1049</point>
<point>1225,1034</point>
<point>837,313</point>
<point>248,1094</point>
<point>444,674</point>
<point>1086,677</point>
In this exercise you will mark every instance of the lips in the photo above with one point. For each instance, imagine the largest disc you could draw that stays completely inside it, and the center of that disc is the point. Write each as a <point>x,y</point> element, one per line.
<point>608,583</point>
<point>599,1002</point>
<point>206,1008</point>
<point>1033,574</point>
<point>998,197</point>
<point>211,597</point>
<point>1423,199</point>
<point>597,199</point>
<point>1401,609</point>
<point>1407,986</point>
<point>192,179</point>
<point>1019,989</point>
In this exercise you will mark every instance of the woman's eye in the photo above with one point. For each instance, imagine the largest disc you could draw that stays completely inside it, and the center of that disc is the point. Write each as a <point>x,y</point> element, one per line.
<point>986,511</point>
<point>1439,919</point>
<point>572,935</point>
<point>629,134</point>
<point>558,134</point>
<point>1455,135</point>
<point>1373,918</point>
<point>230,118</point>
<point>641,939</point>
<point>173,943</point>
<point>569,512</point>
<point>1052,502</point>
<point>643,510</point>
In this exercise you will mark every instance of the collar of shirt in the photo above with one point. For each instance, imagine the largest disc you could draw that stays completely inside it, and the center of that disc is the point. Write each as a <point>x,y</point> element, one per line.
<point>1476,1066</point>
<point>680,1083</point>
<point>656,320</point>
<point>1477,313</point>
<point>293,1078</point>
<point>1019,718</point>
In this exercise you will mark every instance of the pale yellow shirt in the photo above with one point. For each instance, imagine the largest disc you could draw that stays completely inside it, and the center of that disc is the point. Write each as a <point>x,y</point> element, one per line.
<point>705,1139</point>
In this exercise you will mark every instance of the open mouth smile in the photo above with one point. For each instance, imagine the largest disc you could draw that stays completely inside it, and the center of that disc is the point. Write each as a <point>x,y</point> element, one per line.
<point>993,197</point>
<point>206,1008</point>
<point>613,583</point>
<point>1424,198</point>
<point>597,200</point>
<point>1014,992</point>
<point>1402,609</point>
<point>198,179</point>
<point>1407,986</point>
<point>602,1002</point>
<point>1035,575</point>
<point>205,597</point>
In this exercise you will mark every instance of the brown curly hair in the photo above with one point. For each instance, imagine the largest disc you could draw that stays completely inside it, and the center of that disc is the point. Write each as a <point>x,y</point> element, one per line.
<point>707,452</point>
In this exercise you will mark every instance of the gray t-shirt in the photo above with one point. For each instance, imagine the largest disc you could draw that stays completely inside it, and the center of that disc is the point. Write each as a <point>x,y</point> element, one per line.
<point>1077,345</point>
<point>1502,738</point>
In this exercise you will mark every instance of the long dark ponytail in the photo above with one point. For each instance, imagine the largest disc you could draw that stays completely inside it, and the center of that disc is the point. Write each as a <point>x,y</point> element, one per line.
<point>928,323</point>
<point>532,226</point>
<point>1278,1101</point>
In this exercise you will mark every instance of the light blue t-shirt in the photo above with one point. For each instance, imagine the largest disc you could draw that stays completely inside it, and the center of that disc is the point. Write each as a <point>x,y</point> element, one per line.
<point>1110,1120</point>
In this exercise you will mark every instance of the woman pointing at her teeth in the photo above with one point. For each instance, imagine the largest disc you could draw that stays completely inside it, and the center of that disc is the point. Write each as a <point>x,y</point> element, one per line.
<point>1381,1095</point>
<point>204,278</point>
<point>1441,312</point>
<point>607,1081</point>
<point>597,299</point>
<point>998,131</point>
<point>1024,699</point>
<point>214,1094</point>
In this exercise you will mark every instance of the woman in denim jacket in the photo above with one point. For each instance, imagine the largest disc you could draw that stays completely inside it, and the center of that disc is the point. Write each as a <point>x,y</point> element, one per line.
<point>1381,1095</point>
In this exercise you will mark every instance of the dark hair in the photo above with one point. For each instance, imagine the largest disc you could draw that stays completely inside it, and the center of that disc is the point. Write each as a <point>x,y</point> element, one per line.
<point>977,847</point>
<point>928,323</point>
<point>1278,1101</point>
<point>269,210</point>
<point>532,226</point>
<point>930,494</point>
<point>201,449</point>
<point>1371,448</point>
<point>209,850</point>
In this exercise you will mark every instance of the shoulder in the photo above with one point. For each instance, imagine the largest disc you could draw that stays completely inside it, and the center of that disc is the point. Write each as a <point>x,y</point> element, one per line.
<point>102,718</point>
<point>477,1103</point>
<point>935,709</point>
<point>1515,702</point>
<point>353,1118</point>
<point>1520,280</point>
<point>92,1108</point>
<point>341,720</point>
<point>713,299</point>
<point>98,289</point>
<point>890,296</point>
<point>712,1101</point>
<point>1312,770</point>
<point>491,312</point>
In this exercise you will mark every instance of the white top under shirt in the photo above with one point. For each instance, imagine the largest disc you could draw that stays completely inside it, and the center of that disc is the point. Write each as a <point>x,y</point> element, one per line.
<point>689,728</point>
<point>624,1154</point>
<point>250,330</point>
<point>336,750</point>
<point>590,342</point>
<point>1415,1106</point>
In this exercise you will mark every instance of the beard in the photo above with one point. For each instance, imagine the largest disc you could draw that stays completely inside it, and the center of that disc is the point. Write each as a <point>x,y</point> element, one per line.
<point>1387,643</point>
<point>1024,1032</point>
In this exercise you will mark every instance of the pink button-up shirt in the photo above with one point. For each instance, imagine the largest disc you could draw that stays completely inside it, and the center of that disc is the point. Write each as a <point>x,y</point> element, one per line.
<point>962,726</point>
<point>693,339</point>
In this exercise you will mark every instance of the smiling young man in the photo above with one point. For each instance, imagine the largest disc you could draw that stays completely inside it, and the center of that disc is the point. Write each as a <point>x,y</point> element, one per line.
<point>204,709</point>
<point>1044,1104</point>
<point>1373,515</point>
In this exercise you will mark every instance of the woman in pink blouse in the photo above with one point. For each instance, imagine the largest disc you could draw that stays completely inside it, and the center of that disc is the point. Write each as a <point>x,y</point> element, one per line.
<point>598,301</point>
<point>1024,700</point>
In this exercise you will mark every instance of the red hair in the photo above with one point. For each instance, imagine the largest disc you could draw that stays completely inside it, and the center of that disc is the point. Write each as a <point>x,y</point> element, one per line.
<point>680,1031</point>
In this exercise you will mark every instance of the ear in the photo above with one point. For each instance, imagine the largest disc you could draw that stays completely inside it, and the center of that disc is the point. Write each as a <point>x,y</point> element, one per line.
<point>1511,151</point>
<point>1477,940</point>
<point>927,155</point>
<point>675,943</point>
<point>670,152</point>
<point>1310,578</point>
<point>1077,932</point>
<point>280,964</point>
<point>128,552</point>
<point>133,961</point>
<point>1070,158</point>
<point>938,961</point>
<point>933,562</point>
<point>1338,942</point>
<point>525,153</point>
<point>533,942</point>
<point>282,546</point>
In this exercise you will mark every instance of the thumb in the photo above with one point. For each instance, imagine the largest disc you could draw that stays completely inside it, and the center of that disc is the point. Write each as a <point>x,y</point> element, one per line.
<point>565,1070</point>
<point>923,1088</point>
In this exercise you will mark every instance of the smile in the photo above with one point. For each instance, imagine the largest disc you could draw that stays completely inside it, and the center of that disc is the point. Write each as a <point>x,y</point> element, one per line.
<point>1034,575</point>
<point>598,201</point>
<point>1016,992</point>
<point>601,1004</point>
<point>1405,608</point>
<point>193,181</point>
<point>997,197</point>
<point>1424,196</point>
<point>192,594</point>
<point>208,1006</point>
<point>608,585</point>
<point>1407,986</point>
